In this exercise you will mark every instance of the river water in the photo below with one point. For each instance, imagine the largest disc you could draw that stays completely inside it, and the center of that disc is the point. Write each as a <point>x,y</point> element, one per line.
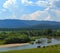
<point>44,43</point>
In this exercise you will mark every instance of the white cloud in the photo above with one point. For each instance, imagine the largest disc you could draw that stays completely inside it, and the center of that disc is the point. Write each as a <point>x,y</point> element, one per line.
<point>48,18</point>
<point>57,12</point>
<point>9,3</point>
<point>38,15</point>
<point>26,2</point>
<point>42,15</point>
<point>32,16</point>
<point>38,3</point>
<point>46,3</point>
<point>23,1</point>
<point>42,3</point>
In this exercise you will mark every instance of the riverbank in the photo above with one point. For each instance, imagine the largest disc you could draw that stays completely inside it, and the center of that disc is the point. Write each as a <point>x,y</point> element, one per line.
<point>13,45</point>
<point>50,49</point>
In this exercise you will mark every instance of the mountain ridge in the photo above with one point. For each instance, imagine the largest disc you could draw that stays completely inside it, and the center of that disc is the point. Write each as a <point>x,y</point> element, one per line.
<point>30,24</point>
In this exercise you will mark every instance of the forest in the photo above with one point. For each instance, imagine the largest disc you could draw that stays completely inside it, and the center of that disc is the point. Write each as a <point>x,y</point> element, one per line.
<point>25,36</point>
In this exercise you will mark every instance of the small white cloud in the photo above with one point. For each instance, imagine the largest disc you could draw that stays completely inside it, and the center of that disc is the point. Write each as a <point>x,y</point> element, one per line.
<point>42,3</point>
<point>9,3</point>
<point>26,2</point>
<point>23,1</point>
<point>48,18</point>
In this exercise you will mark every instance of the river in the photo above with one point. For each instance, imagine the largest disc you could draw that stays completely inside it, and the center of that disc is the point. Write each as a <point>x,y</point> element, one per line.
<point>29,46</point>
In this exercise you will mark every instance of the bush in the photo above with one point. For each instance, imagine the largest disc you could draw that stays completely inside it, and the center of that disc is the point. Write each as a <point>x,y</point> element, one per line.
<point>39,41</point>
<point>12,40</point>
<point>49,41</point>
<point>16,39</point>
<point>32,42</point>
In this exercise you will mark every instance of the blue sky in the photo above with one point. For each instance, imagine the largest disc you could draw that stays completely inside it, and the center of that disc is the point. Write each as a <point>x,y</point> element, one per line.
<point>30,9</point>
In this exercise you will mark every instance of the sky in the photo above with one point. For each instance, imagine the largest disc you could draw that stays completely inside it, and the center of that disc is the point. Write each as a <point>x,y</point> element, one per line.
<point>30,9</point>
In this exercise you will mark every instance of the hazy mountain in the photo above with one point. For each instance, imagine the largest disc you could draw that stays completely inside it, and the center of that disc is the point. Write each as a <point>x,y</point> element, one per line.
<point>30,24</point>
<point>46,25</point>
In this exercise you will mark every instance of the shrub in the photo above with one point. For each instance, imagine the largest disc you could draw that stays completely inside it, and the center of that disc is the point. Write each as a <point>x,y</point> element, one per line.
<point>16,39</point>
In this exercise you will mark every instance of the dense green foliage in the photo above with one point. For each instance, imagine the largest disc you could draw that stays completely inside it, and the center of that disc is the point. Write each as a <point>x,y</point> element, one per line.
<point>24,36</point>
<point>17,39</point>
<point>50,49</point>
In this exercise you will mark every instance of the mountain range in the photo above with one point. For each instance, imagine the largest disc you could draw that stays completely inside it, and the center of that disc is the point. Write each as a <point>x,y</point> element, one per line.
<point>29,24</point>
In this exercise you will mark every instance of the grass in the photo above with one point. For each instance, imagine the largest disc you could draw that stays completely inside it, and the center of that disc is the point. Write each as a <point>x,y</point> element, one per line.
<point>1,42</point>
<point>49,49</point>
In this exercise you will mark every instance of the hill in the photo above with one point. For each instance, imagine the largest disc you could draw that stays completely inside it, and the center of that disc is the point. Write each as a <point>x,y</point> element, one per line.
<point>28,24</point>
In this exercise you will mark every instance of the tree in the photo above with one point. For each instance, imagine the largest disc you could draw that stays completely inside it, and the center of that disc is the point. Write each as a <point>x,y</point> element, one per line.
<point>17,39</point>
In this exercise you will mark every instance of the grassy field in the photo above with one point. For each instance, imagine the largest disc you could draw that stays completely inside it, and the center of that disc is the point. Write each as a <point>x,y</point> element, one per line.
<point>50,49</point>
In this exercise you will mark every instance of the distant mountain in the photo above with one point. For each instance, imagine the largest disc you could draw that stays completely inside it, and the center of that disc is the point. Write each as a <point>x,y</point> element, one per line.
<point>13,24</point>
<point>29,24</point>
<point>46,25</point>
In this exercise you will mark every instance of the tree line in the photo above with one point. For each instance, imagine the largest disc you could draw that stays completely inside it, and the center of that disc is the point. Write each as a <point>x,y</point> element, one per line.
<point>24,36</point>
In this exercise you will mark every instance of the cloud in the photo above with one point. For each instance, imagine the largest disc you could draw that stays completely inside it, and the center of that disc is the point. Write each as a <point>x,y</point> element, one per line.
<point>26,2</point>
<point>57,12</point>
<point>51,9</point>
<point>38,3</point>
<point>32,16</point>
<point>11,6</point>
<point>53,15</point>
<point>52,12</point>
<point>42,3</point>
<point>57,4</point>
<point>48,17</point>
<point>9,3</point>
<point>38,15</point>
<point>23,1</point>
